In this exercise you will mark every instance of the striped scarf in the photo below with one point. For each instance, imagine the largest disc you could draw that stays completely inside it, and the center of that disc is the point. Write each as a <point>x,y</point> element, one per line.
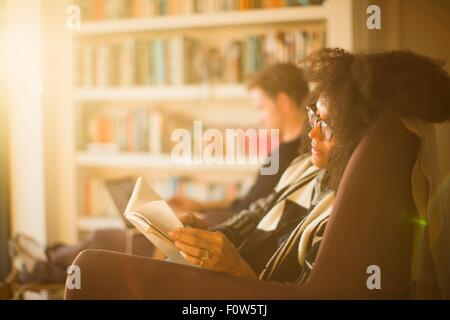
<point>299,184</point>
<point>305,239</point>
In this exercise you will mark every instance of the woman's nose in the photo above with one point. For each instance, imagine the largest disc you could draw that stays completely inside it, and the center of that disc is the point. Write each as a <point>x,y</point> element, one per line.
<point>314,133</point>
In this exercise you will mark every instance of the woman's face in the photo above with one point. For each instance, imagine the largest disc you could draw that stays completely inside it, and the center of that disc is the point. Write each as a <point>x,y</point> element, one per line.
<point>321,147</point>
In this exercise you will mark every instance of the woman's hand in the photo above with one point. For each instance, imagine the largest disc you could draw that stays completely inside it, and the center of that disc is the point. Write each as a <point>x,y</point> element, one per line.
<point>211,250</point>
<point>191,220</point>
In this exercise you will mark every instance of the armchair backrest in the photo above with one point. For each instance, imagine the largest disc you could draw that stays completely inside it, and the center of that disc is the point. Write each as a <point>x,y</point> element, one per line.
<point>366,250</point>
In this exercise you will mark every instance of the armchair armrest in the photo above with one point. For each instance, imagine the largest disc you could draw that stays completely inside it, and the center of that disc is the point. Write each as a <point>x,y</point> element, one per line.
<point>110,275</point>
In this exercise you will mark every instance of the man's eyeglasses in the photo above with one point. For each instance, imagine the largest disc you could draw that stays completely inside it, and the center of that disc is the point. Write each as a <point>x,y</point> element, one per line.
<point>314,119</point>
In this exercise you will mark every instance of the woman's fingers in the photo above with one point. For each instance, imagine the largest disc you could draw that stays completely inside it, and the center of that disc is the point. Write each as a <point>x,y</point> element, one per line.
<point>210,250</point>
<point>198,256</point>
<point>192,238</point>
<point>192,250</point>
<point>198,246</point>
<point>194,260</point>
<point>197,233</point>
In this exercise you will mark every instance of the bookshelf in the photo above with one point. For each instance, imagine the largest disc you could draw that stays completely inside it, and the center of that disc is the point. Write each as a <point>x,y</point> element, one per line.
<point>215,29</point>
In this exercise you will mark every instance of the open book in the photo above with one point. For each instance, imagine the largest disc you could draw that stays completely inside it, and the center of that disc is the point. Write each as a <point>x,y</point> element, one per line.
<point>153,217</point>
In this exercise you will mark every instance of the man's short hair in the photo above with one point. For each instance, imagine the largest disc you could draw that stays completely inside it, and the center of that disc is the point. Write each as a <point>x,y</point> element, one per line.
<point>282,77</point>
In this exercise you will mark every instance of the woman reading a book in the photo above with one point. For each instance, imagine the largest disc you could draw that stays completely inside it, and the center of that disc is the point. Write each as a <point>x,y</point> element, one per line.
<point>278,238</point>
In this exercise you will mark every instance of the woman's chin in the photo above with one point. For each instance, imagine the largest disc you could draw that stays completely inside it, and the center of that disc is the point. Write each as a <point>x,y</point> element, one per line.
<point>318,161</point>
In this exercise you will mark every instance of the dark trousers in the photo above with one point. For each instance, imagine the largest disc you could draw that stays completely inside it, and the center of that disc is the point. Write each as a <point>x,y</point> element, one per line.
<point>60,257</point>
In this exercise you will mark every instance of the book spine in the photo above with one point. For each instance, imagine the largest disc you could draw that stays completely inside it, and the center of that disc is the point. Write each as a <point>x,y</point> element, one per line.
<point>160,61</point>
<point>88,66</point>
<point>128,63</point>
<point>155,132</point>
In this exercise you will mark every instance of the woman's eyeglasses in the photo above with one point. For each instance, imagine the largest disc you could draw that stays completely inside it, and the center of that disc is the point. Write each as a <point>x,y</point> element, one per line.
<point>314,119</point>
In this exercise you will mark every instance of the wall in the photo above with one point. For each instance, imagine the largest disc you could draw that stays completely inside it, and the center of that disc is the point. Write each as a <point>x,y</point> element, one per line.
<point>422,26</point>
<point>58,113</point>
<point>426,30</point>
<point>24,90</point>
<point>4,169</point>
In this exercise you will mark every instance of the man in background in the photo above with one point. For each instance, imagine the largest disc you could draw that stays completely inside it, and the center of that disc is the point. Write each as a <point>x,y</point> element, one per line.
<point>279,94</point>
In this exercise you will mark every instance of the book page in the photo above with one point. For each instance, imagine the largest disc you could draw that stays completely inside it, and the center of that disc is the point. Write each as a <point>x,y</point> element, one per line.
<point>148,203</point>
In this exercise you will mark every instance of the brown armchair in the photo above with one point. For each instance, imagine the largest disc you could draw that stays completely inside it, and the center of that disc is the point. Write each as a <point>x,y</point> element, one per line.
<point>370,225</point>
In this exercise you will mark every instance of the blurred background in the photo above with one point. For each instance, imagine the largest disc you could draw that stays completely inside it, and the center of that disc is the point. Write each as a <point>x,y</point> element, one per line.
<point>90,91</point>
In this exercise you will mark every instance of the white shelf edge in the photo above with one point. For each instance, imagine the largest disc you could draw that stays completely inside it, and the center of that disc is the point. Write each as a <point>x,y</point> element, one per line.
<point>209,20</point>
<point>158,162</point>
<point>87,223</point>
<point>162,93</point>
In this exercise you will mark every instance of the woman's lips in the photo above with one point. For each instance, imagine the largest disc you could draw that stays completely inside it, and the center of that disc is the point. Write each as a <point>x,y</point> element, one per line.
<point>315,151</point>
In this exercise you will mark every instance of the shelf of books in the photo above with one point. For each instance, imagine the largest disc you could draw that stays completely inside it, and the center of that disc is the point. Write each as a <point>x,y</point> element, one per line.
<point>189,19</point>
<point>146,68</point>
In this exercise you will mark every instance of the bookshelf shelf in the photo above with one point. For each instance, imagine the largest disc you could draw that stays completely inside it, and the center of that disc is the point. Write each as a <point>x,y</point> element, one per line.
<point>162,93</point>
<point>212,20</point>
<point>88,224</point>
<point>156,162</point>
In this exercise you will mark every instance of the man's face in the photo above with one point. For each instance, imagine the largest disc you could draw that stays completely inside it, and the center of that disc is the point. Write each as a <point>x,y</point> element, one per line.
<point>269,113</point>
